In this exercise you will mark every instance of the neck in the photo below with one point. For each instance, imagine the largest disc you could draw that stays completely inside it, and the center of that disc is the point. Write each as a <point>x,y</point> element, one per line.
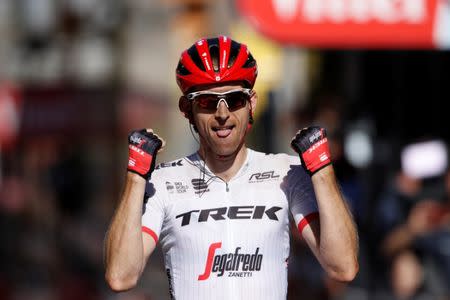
<point>227,166</point>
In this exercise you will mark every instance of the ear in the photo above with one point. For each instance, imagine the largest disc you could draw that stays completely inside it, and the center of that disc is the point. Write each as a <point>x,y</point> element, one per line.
<point>185,107</point>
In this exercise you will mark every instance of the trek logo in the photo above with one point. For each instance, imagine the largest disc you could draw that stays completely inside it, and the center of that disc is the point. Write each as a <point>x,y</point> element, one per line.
<point>236,264</point>
<point>170,164</point>
<point>232,213</point>
<point>258,177</point>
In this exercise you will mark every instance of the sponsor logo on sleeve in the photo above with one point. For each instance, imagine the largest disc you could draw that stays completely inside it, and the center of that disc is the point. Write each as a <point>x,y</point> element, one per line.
<point>177,163</point>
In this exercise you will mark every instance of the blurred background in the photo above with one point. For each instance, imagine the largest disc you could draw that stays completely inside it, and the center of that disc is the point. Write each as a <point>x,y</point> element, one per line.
<point>77,75</point>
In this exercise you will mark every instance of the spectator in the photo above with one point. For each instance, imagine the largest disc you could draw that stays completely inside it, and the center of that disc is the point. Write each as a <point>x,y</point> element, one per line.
<point>412,224</point>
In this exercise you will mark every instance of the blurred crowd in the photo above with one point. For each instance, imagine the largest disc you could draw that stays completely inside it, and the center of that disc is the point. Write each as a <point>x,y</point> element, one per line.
<point>73,83</point>
<point>404,224</point>
<point>58,192</point>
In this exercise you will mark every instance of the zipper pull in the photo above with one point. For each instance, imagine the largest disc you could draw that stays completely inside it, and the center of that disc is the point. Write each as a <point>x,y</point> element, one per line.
<point>227,188</point>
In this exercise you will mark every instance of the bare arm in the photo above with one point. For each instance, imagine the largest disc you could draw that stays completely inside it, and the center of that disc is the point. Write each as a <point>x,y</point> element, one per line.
<point>127,248</point>
<point>333,237</point>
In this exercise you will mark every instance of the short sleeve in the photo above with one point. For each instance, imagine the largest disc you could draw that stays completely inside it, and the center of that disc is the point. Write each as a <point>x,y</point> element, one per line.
<point>301,196</point>
<point>153,211</point>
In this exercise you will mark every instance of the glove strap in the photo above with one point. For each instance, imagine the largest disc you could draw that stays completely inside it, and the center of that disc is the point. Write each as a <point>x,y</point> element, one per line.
<point>317,156</point>
<point>139,161</point>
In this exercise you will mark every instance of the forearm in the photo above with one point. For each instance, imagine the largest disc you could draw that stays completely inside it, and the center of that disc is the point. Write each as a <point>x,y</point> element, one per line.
<point>338,241</point>
<point>124,255</point>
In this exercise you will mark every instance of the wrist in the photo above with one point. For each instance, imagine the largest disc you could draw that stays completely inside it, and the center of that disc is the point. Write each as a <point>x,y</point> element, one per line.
<point>323,173</point>
<point>135,178</point>
<point>322,167</point>
<point>313,163</point>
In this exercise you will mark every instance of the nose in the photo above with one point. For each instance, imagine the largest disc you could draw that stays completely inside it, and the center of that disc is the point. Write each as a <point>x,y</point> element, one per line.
<point>222,112</point>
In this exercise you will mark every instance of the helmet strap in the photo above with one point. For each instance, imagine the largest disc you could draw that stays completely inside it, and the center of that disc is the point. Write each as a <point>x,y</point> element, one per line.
<point>250,120</point>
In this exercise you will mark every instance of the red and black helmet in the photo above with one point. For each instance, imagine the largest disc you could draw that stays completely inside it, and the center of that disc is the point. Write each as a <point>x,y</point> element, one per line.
<point>216,60</point>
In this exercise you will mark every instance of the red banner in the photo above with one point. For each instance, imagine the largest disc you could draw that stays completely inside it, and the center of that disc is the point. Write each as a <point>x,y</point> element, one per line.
<point>420,24</point>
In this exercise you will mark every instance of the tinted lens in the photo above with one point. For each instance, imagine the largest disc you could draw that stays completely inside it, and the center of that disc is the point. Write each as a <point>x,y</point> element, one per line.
<point>236,100</point>
<point>207,101</point>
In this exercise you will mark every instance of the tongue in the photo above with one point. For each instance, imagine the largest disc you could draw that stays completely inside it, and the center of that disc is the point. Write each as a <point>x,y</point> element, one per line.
<point>223,132</point>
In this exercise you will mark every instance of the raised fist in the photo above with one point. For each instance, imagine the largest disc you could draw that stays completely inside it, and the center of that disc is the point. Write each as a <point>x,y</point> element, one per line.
<point>311,144</point>
<point>143,146</point>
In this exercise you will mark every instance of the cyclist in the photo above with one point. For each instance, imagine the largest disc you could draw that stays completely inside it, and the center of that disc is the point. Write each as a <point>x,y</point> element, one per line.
<point>221,214</point>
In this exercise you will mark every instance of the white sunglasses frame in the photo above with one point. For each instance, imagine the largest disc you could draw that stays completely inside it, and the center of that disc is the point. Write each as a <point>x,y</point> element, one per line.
<point>191,96</point>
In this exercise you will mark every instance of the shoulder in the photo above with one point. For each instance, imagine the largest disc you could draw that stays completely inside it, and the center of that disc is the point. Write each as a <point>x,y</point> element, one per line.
<point>179,162</point>
<point>181,167</point>
<point>282,163</point>
<point>171,168</point>
<point>280,159</point>
<point>165,173</point>
<point>287,166</point>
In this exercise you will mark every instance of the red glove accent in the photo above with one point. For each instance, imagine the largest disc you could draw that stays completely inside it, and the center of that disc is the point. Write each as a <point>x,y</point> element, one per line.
<point>142,149</point>
<point>138,160</point>
<point>312,145</point>
<point>317,156</point>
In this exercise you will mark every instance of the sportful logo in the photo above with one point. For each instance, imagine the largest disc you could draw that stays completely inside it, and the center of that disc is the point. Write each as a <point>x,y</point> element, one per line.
<point>236,264</point>
<point>323,157</point>
<point>232,213</point>
<point>199,185</point>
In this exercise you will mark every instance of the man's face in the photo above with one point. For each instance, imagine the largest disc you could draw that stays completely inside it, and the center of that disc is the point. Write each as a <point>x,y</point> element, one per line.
<point>222,129</point>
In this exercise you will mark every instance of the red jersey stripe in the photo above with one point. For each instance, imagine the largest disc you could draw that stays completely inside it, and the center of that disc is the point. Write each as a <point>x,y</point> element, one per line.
<point>306,220</point>
<point>150,232</point>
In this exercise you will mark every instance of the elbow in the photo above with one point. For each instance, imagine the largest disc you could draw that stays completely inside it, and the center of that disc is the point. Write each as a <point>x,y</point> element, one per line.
<point>345,274</point>
<point>118,284</point>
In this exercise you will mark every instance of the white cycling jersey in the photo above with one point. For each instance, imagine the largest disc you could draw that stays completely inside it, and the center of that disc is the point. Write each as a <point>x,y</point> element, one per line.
<point>228,240</point>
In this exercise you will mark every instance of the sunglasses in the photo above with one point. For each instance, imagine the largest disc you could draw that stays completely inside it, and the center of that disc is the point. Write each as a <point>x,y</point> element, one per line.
<point>233,99</point>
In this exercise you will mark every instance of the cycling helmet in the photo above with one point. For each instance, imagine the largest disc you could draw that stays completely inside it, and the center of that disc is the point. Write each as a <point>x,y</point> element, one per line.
<point>215,60</point>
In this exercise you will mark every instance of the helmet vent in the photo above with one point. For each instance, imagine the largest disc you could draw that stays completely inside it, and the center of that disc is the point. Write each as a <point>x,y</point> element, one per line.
<point>214,51</point>
<point>234,51</point>
<point>250,62</point>
<point>193,53</point>
<point>181,69</point>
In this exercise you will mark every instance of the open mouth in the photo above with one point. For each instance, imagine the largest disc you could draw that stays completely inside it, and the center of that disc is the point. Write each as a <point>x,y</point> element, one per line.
<point>223,131</point>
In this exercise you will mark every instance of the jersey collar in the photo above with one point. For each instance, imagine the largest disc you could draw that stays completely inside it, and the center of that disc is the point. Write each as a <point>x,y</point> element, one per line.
<point>195,160</point>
